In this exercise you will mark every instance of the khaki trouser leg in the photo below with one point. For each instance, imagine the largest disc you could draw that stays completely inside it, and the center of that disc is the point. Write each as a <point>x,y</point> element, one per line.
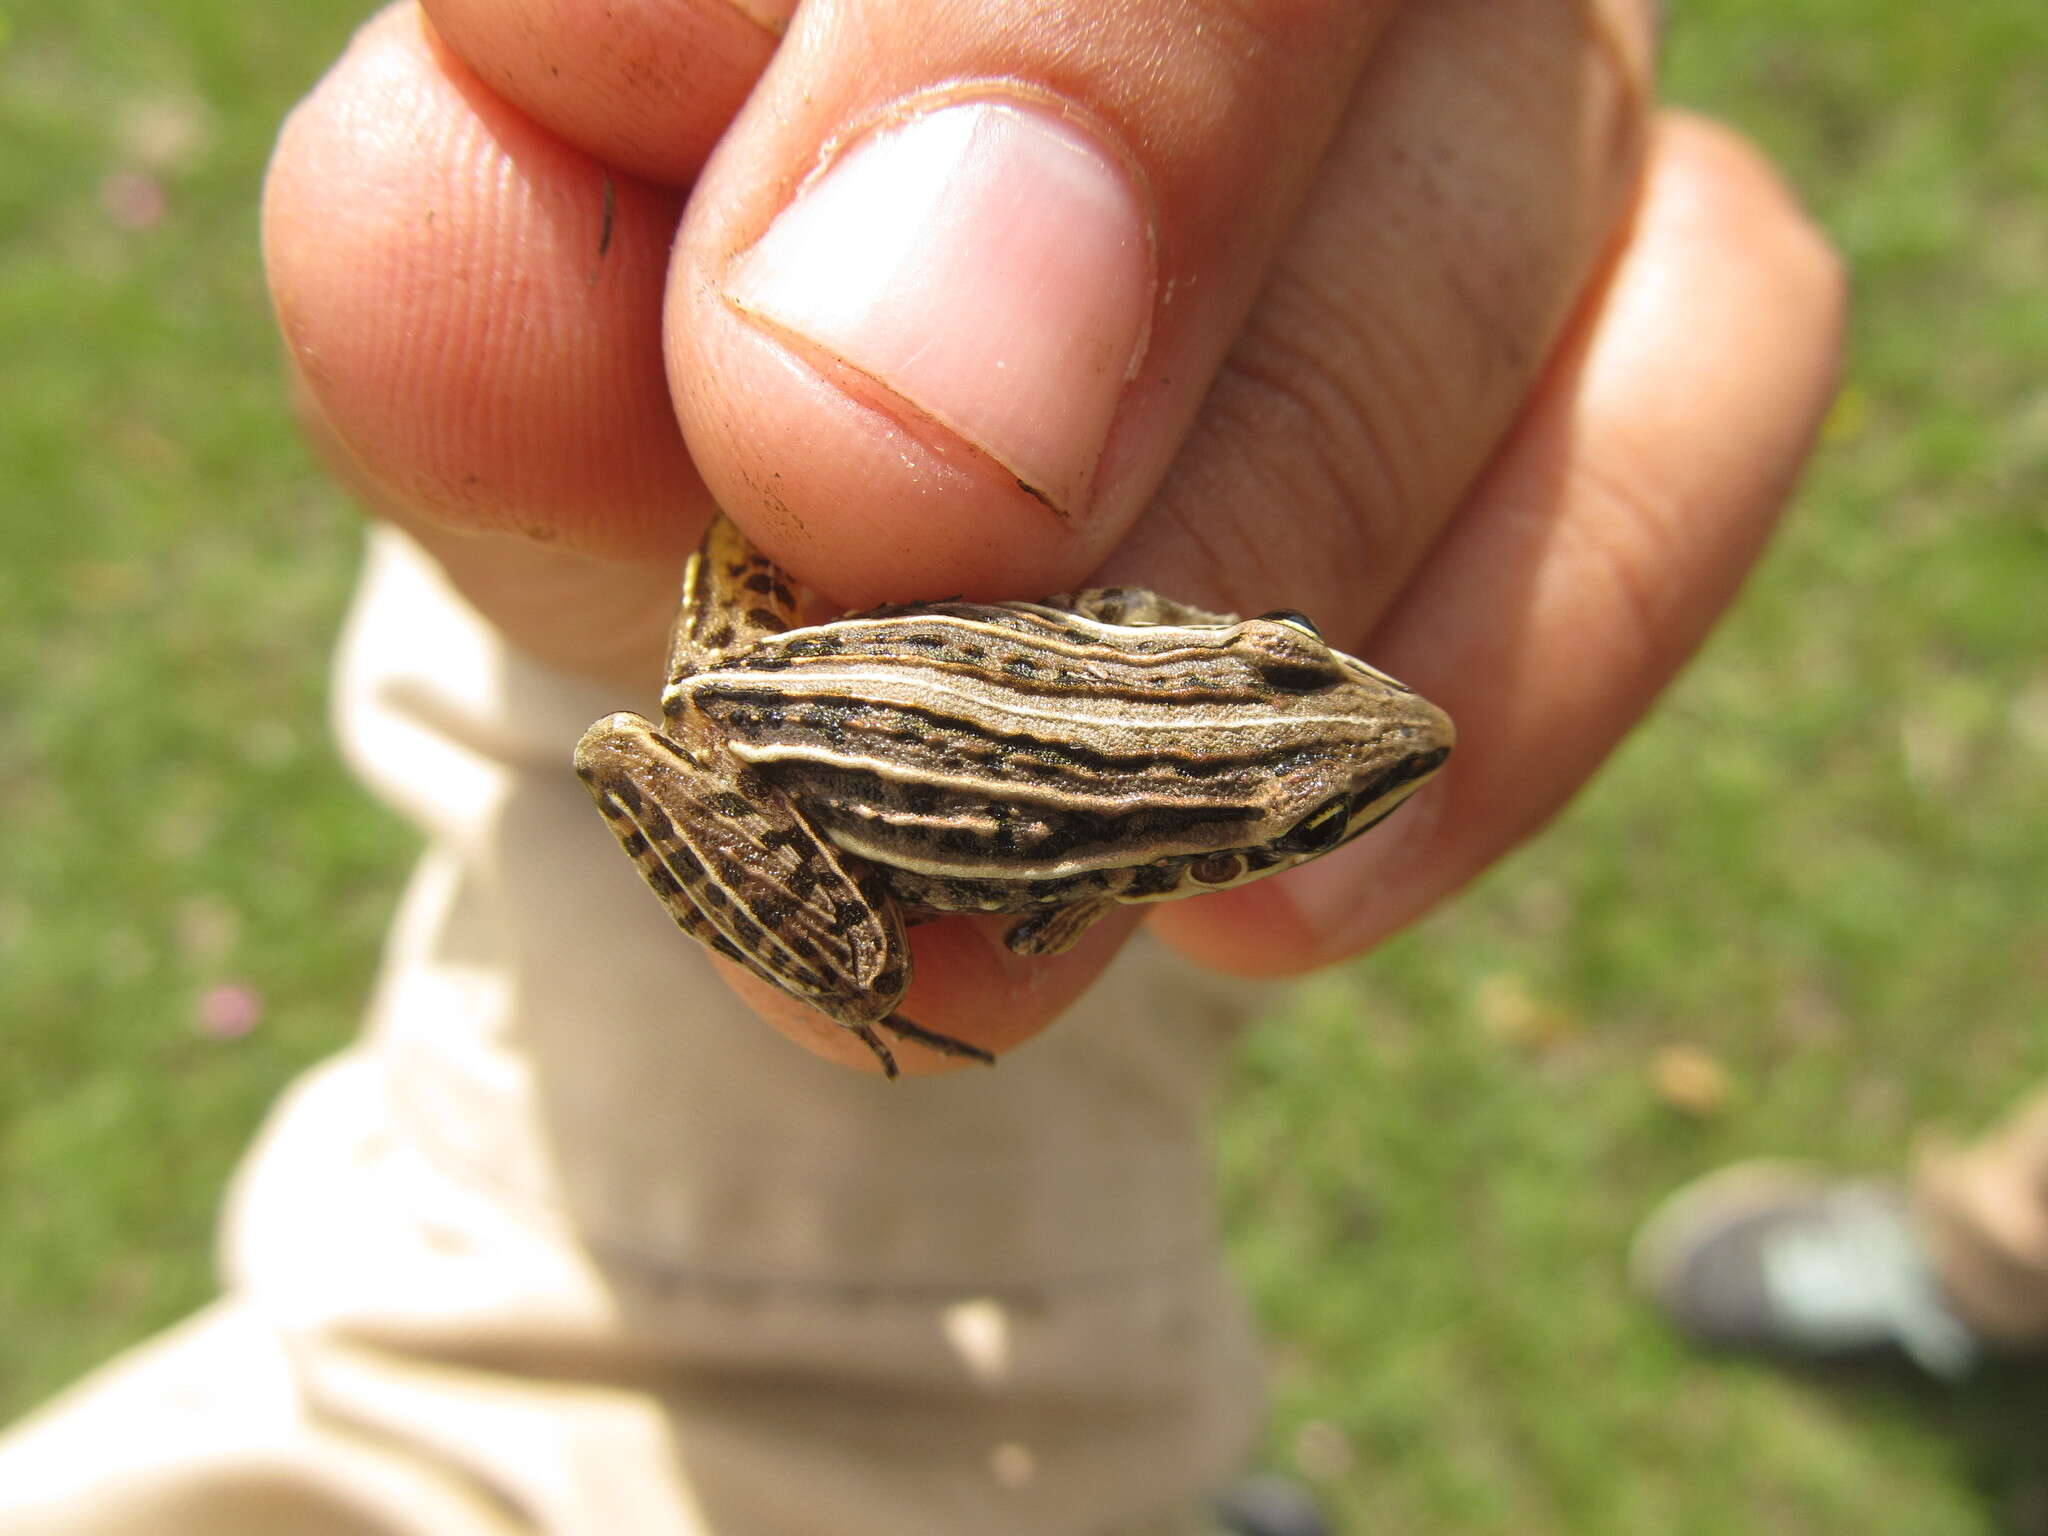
<point>569,1243</point>
<point>1985,1207</point>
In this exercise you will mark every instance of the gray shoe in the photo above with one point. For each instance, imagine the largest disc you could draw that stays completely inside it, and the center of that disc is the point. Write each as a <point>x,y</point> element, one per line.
<point>1787,1260</point>
<point>1269,1505</point>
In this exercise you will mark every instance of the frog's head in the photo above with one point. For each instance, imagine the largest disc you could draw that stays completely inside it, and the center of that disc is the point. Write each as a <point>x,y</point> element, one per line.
<point>1377,740</point>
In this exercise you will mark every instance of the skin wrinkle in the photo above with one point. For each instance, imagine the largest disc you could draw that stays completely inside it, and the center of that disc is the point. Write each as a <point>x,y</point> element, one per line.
<point>1490,296</point>
<point>1403,170</point>
<point>1502,329</point>
<point>1630,545</point>
<point>1350,444</point>
<point>1493,287</point>
<point>1304,469</point>
<point>1225,583</point>
<point>1390,425</point>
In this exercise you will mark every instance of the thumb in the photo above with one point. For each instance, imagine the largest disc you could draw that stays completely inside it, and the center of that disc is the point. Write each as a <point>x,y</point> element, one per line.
<point>955,282</point>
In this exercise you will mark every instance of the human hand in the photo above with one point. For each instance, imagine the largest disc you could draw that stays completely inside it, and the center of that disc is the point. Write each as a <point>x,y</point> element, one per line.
<point>1412,317</point>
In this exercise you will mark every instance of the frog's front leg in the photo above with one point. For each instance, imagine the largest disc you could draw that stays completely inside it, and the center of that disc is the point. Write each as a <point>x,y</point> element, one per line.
<point>739,869</point>
<point>733,595</point>
<point>1055,930</point>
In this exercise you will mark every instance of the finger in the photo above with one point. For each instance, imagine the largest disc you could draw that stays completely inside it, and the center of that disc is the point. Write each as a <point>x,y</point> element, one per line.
<point>647,87</point>
<point>951,290</point>
<point>1596,554</point>
<point>1469,200</point>
<point>474,306</point>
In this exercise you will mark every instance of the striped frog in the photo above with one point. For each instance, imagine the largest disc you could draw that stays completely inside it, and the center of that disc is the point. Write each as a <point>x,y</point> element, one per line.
<point>811,789</point>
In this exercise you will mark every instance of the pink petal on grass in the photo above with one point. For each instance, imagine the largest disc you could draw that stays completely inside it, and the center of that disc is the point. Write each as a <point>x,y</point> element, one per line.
<point>133,200</point>
<point>228,1011</point>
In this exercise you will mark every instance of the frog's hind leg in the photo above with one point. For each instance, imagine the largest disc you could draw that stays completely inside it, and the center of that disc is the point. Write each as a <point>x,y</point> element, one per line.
<point>733,595</point>
<point>741,870</point>
<point>907,1029</point>
<point>603,761</point>
<point>945,1045</point>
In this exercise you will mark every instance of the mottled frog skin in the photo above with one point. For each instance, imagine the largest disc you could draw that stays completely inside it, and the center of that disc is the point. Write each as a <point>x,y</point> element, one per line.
<point>812,789</point>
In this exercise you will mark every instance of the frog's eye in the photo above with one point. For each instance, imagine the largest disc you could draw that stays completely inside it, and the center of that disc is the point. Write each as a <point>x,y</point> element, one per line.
<point>1293,620</point>
<point>1288,653</point>
<point>1320,830</point>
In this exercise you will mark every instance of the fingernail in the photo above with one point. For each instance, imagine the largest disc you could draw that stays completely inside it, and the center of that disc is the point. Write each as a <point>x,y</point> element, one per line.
<point>988,262</point>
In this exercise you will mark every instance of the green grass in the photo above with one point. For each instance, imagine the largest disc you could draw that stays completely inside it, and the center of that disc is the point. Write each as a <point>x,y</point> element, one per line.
<point>173,574</point>
<point>1821,863</point>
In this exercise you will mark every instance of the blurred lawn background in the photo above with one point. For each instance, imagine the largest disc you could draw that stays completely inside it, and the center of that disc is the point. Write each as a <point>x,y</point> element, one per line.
<point>1804,913</point>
